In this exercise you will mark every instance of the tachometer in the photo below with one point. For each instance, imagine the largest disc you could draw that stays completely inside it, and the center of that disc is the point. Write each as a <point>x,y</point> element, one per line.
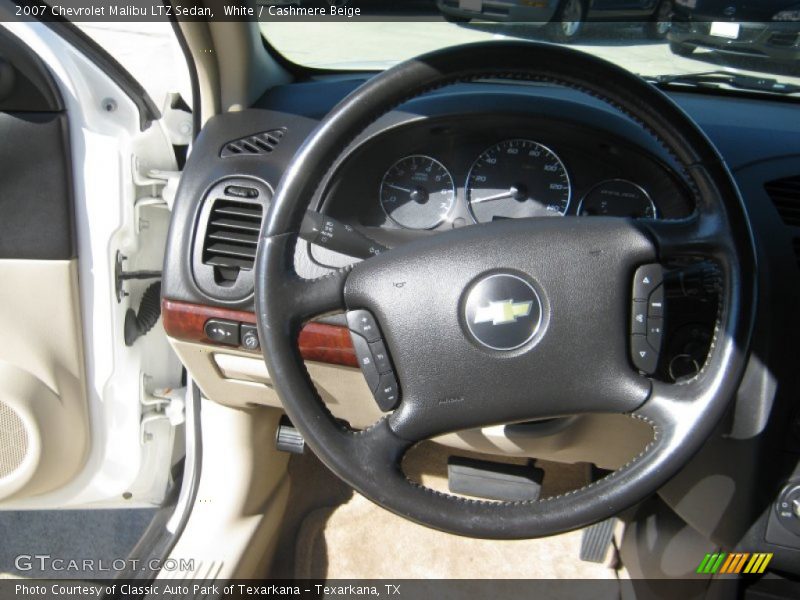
<point>417,192</point>
<point>516,179</point>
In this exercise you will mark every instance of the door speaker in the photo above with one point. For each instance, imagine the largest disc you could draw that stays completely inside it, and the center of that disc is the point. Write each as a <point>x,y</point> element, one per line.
<point>40,446</point>
<point>13,440</point>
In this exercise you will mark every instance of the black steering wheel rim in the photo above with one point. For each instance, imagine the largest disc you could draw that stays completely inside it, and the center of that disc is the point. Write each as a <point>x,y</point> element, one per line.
<point>682,416</point>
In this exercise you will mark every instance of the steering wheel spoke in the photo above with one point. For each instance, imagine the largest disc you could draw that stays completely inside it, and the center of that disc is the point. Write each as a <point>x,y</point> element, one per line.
<point>316,297</point>
<point>698,235</point>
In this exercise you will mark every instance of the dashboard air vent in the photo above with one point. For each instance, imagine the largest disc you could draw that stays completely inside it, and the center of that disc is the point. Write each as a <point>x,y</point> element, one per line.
<point>785,195</point>
<point>232,237</point>
<point>225,240</point>
<point>253,145</point>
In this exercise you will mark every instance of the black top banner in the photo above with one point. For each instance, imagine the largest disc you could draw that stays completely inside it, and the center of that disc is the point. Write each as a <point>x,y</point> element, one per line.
<point>508,11</point>
<point>225,10</point>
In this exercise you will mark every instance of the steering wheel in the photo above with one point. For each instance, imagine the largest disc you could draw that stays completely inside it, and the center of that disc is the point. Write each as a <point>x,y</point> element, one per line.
<point>580,272</point>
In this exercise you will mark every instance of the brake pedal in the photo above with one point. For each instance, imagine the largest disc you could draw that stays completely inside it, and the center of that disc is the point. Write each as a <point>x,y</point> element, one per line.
<point>596,541</point>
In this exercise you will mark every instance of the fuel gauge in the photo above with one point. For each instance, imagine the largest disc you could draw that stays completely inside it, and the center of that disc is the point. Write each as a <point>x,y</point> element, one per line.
<point>618,198</point>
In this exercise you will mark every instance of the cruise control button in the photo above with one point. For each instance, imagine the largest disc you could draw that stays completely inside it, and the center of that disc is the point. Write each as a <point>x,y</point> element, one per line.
<point>639,317</point>
<point>363,323</point>
<point>388,393</point>
<point>655,331</point>
<point>249,335</point>
<point>655,306</point>
<point>646,279</point>
<point>223,332</point>
<point>380,356</point>
<point>365,361</point>
<point>643,356</point>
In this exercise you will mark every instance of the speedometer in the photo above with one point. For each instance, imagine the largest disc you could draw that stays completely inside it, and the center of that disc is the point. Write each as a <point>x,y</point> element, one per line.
<point>516,179</point>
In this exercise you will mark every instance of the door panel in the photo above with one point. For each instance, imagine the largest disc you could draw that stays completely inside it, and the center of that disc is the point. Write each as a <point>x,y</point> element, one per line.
<point>35,182</point>
<point>79,154</point>
<point>35,199</point>
<point>43,413</point>
<point>44,428</point>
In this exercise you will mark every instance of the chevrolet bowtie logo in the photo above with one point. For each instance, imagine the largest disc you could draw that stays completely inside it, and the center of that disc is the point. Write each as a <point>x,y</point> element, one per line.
<point>502,312</point>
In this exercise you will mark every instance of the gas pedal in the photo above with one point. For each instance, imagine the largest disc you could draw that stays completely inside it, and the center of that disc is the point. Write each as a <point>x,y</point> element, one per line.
<point>596,541</point>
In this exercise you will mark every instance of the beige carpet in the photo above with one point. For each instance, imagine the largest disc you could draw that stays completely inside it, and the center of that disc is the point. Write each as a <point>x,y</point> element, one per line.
<point>360,540</point>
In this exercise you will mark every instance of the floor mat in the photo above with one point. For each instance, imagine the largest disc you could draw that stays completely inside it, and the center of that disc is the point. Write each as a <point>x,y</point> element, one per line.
<point>95,535</point>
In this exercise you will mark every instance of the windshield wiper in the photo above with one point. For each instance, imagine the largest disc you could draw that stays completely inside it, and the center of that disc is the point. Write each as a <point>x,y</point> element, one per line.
<point>716,79</point>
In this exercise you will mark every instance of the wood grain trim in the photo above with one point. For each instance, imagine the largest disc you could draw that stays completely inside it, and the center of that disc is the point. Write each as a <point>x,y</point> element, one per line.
<point>317,341</point>
<point>327,343</point>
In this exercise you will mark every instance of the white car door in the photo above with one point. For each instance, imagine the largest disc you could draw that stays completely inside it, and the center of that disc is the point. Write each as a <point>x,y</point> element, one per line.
<point>88,418</point>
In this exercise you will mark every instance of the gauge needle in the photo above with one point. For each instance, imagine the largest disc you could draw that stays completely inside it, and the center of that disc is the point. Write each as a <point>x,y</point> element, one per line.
<point>397,187</point>
<point>500,196</point>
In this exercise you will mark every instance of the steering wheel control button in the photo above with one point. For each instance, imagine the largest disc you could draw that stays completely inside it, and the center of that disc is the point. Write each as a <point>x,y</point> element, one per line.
<point>644,357</point>
<point>380,357</point>
<point>502,312</point>
<point>222,332</point>
<point>655,331</point>
<point>249,337</point>
<point>363,323</point>
<point>373,359</point>
<point>647,279</point>
<point>655,304</point>
<point>365,361</point>
<point>388,393</point>
<point>647,317</point>
<point>639,317</point>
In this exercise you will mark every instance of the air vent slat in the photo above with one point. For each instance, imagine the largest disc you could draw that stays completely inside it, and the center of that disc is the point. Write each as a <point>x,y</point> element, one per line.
<point>254,145</point>
<point>236,224</point>
<point>231,237</point>
<point>785,195</point>
<point>234,236</point>
<point>231,250</point>
<point>239,211</point>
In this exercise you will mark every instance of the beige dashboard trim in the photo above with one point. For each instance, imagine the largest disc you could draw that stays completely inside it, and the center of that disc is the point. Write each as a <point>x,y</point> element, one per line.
<point>238,379</point>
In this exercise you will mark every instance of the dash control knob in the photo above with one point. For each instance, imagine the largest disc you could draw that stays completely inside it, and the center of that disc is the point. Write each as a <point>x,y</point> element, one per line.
<point>787,508</point>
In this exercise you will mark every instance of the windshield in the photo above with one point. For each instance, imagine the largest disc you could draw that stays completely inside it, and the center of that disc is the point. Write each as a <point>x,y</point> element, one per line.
<point>657,38</point>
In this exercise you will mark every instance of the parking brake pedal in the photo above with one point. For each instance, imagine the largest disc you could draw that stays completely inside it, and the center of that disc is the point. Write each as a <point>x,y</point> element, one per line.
<point>596,541</point>
<point>288,439</point>
<point>494,481</point>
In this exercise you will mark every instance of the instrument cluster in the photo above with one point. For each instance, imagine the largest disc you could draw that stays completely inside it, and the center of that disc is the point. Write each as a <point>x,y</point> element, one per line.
<point>435,176</point>
<point>512,179</point>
